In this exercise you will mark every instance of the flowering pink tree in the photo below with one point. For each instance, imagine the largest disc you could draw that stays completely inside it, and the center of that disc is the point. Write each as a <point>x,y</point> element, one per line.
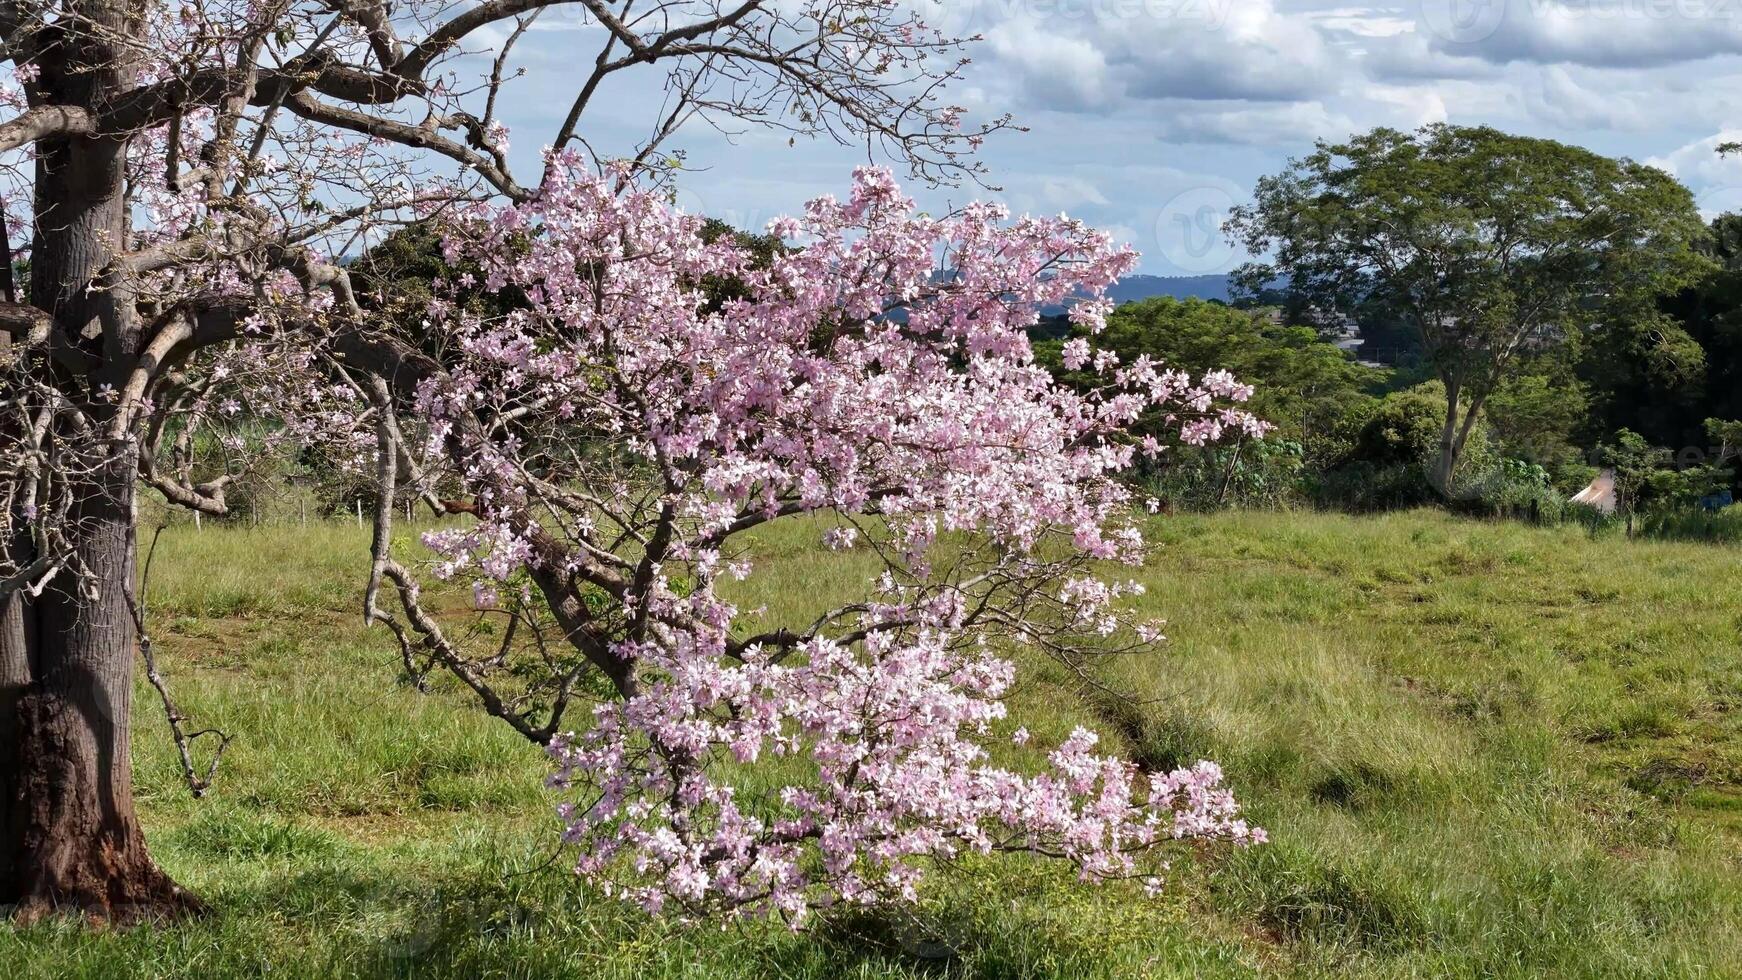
<point>652,429</point>
<point>180,179</point>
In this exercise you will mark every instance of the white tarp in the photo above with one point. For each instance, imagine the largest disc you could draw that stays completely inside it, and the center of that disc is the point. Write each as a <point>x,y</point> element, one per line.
<point>1600,494</point>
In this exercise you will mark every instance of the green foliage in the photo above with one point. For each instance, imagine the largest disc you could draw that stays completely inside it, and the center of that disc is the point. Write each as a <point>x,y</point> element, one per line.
<point>1404,429</point>
<point>1252,473</point>
<point>1395,446</point>
<point>399,276</point>
<point>1392,449</point>
<point>1304,386</point>
<point>1537,414</point>
<point>1647,481</point>
<point>1519,488</point>
<point>1664,376</point>
<point>1726,436</point>
<point>760,248</point>
<point>1488,244</point>
<point>1637,464</point>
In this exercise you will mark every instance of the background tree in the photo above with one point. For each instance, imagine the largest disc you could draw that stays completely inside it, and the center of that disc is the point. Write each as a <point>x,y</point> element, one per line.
<point>1696,372</point>
<point>1726,438</point>
<point>1539,413</point>
<point>1304,387</point>
<point>1488,244</point>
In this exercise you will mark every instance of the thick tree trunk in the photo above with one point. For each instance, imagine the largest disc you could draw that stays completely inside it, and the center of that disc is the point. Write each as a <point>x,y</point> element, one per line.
<point>69,838</point>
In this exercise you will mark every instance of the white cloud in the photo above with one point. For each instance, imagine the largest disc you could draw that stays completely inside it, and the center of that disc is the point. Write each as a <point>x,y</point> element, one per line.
<point>1412,56</point>
<point>1115,91</point>
<point>1715,180</point>
<point>1407,107</point>
<point>1558,98</point>
<point>1097,55</point>
<point>1365,21</point>
<point>1255,125</point>
<point>1601,33</point>
<point>1126,235</point>
<point>1056,72</point>
<point>1064,193</point>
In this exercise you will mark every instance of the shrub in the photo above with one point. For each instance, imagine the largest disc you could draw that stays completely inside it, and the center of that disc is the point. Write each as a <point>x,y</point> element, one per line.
<point>1517,488</point>
<point>1693,524</point>
<point>1393,448</point>
<point>1259,473</point>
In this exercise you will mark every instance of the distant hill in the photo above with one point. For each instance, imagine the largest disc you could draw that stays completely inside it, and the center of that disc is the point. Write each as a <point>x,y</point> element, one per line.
<point>1133,288</point>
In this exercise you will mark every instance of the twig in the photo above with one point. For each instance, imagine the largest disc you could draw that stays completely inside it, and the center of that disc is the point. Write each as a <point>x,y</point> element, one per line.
<point>198,785</point>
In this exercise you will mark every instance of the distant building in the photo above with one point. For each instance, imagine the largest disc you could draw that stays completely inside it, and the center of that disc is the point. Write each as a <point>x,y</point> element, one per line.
<point>1337,328</point>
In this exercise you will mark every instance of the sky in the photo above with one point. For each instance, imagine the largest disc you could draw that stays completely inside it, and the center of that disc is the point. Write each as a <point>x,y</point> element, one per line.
<point>1151,118</point>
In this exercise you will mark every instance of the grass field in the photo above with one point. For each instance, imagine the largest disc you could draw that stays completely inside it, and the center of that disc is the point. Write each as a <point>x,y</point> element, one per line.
<point>1481,750</point>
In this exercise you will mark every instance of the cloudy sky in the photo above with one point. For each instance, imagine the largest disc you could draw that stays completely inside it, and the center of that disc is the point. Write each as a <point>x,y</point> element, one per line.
<point>1152,117</point>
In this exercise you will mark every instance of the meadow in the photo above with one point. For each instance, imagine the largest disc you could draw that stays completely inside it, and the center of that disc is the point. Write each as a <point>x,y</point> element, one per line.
<point>1481,750</point>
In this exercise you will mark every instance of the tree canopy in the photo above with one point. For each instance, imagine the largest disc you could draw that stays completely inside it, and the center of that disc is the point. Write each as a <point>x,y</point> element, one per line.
<point>1488,244</point>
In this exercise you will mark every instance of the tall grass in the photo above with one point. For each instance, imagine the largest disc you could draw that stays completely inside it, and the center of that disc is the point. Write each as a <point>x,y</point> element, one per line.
<point>1482,750</point>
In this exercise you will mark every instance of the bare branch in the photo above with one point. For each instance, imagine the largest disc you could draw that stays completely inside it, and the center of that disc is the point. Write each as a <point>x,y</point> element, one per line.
<point>45,122</point>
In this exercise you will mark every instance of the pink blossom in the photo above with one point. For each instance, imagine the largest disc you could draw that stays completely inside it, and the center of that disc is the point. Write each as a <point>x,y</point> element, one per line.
<point>937,422</point>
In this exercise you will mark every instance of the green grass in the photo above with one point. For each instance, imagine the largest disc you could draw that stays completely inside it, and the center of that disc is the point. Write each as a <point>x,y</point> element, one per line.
<point>1482,750</point>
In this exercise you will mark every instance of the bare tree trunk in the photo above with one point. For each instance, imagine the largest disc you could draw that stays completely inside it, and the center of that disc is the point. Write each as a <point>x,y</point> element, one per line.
<point>69,837</point>
<point>1446,465</point>
<point>71,840</point>
<point>1228,474</point>
<point>16,641</point>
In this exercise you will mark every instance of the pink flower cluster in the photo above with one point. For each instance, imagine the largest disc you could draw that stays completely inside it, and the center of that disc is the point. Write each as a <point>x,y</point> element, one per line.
<point>882,372</point>
<point>898,777</point>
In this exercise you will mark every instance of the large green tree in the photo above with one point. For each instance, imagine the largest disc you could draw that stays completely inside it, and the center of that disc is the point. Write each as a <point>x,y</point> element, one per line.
<point>1488,245</point>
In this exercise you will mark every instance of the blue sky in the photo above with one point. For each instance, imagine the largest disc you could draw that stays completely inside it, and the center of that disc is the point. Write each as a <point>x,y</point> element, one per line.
<point>1152,117</point>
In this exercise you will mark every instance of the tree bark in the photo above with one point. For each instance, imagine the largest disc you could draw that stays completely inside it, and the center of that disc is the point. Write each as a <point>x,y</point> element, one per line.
<point>1447,463</point>
<point>69,837</point>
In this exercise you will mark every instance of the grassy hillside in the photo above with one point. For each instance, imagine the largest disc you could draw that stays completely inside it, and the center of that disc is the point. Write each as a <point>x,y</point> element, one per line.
<point>1481,750</point>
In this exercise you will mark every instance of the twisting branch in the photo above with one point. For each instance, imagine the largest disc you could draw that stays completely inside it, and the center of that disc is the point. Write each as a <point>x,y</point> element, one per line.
<point>381,545</point>
<point>198,783</point>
